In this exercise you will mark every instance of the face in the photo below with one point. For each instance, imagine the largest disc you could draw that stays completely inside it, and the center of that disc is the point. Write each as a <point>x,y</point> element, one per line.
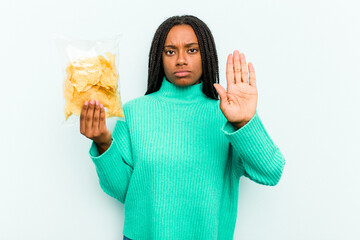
<point>181,56</point>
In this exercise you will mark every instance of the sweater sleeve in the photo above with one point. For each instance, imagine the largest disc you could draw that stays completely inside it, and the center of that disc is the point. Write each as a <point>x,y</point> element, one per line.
<point>253,153</point>
<point>115,166</point>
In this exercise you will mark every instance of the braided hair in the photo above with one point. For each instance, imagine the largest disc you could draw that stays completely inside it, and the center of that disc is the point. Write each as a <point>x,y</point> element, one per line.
<point>209,59</point>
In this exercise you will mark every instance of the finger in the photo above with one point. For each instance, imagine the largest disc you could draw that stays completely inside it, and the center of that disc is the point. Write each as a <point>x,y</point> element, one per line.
<point>244,72</point>
<point>237,67</point>
<point>252,77</point>
<point>89,118</point>
<point>229,71</point>
<point>102,124</point>
<point>96,119</point>
<point>83,117</point>
<point>221,91</point>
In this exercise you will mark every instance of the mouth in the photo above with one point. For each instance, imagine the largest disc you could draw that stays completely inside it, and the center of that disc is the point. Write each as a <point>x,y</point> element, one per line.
<point>182,73</point>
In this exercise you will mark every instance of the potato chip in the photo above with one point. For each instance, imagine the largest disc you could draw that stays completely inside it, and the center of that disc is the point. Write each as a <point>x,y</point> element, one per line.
<point>92,78</point>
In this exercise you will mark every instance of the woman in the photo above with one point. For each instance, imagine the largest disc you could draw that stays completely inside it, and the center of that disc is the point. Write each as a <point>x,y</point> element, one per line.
<point>177,158</point>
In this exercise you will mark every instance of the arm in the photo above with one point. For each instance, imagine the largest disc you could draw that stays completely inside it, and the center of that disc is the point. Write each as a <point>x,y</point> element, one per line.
<point>114,166</point>
<point>254,153</point>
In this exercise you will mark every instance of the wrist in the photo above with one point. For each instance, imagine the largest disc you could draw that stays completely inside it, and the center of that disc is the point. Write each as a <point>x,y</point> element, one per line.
<point>106,143</point>
<point>239,125</point>
<point>242,123</point>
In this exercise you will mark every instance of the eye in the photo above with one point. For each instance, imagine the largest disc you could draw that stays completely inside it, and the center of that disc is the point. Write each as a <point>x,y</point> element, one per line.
<point>193,50</point>
<point>169,52</point>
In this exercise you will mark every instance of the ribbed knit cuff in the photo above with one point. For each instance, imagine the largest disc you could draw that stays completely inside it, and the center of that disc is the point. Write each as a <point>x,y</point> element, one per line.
<point>107,159</point>
<point>245,131</point>
<point>262,159</point>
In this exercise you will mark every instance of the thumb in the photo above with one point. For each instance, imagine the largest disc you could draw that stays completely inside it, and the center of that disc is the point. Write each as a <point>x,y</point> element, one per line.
<point>221,91</point>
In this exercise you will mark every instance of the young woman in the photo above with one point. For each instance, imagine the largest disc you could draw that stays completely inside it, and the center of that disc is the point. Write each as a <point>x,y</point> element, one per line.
<point>177,158</point>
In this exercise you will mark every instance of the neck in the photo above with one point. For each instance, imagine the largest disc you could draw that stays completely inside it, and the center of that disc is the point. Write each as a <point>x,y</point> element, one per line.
<point>181,94</point>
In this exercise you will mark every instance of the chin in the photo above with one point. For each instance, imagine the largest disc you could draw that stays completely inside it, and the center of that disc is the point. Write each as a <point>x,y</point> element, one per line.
<point>184,82</point>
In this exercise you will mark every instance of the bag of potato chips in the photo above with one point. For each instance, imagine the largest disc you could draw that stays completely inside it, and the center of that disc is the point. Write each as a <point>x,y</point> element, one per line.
<point>90,72</point>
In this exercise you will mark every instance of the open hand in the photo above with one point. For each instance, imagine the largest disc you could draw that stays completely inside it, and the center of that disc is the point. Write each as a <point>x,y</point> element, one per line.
<point>238,103</point>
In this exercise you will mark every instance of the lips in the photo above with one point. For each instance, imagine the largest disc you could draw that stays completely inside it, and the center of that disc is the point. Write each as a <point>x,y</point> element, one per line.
<point>182,73</point>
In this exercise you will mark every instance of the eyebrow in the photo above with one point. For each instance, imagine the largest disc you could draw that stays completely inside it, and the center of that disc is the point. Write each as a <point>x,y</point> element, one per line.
<point>186,45</point>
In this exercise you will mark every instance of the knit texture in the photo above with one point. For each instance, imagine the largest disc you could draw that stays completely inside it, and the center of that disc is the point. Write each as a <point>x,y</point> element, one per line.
<point>175,162</point>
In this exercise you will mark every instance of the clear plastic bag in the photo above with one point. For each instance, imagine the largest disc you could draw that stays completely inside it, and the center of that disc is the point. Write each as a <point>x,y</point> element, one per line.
<point>89,71</point>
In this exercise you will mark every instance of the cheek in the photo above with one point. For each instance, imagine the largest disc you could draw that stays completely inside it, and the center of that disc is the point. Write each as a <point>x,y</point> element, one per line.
<point>199,64</point>
<point>165,64</point>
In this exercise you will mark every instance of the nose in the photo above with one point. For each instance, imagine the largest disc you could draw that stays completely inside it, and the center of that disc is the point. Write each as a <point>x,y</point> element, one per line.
<point>181,60</point>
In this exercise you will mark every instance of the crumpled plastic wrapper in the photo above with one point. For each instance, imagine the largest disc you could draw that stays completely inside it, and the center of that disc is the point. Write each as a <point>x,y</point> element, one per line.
<point>92,78</point>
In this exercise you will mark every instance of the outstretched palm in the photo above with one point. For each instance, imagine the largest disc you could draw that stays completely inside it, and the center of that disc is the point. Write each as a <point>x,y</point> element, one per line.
<point>238,103</point>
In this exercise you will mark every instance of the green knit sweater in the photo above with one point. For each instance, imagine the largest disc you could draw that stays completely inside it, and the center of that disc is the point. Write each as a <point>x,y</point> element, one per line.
<point>175,162</point>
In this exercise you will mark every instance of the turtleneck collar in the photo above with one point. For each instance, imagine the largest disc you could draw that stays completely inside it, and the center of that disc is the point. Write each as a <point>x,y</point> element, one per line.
<point>187,94</point>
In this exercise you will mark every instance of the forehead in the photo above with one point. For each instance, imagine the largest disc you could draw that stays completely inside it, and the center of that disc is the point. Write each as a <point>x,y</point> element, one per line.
<point>181,34</point>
